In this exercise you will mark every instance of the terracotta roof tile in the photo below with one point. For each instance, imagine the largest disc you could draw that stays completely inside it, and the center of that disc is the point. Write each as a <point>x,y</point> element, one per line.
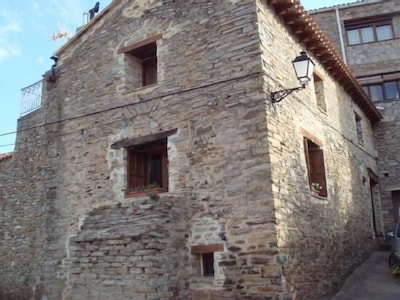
<point>303,26</point>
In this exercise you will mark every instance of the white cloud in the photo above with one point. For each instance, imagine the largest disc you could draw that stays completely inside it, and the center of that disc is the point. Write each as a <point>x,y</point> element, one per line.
<point>61,17</point>
<point>3,54</point>
<point>10,24</point>
<point>69,13</point>
<point>14,50</point>
<point>36,9</point>
<point>8,50</point>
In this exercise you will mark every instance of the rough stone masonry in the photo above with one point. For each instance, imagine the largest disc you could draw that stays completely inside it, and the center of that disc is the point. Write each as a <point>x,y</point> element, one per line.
<point>237,175</point>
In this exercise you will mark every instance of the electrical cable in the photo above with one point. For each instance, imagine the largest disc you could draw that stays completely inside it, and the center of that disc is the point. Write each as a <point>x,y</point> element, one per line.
<point>160,97</point>
<point>129,104</point>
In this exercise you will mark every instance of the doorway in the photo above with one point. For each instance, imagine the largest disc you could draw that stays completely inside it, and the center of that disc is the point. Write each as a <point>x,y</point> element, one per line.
<point>396,205</point>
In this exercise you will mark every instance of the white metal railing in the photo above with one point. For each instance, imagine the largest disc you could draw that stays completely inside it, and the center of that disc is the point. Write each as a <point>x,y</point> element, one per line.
<point>31,98</point>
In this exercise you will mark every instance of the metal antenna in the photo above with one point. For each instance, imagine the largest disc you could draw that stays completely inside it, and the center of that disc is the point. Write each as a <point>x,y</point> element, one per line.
<point>61,33</point>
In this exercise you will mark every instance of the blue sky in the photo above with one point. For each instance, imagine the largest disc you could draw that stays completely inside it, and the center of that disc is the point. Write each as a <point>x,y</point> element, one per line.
<point>26,44</point>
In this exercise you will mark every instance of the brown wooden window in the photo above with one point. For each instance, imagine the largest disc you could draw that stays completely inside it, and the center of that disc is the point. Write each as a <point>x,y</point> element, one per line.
<point>140,63</point>
<point>206,253</point>
<point>315,167</point>
<point>148,166</point>
<point>147,59</point>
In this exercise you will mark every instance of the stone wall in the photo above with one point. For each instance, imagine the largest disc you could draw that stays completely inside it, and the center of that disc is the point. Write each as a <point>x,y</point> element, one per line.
<point>373,63</point>
<point>134,250</point>
<point>387,135</point>
<point>320,239</point>
<point>236,168</point>
<point>209,90</point>
<point>371,58</point>
<point>33,217</point>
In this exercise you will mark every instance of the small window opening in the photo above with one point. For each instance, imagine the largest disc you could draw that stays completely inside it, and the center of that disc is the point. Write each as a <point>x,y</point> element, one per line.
<point>205,258</point>
<point>147,166</point>
<point>208,264</point>
<point>388,90</point>
<point>315,167</point>
<point>319,92</point>
<point>141,63</point>
<point>366,30</point>
<point>146,62</point>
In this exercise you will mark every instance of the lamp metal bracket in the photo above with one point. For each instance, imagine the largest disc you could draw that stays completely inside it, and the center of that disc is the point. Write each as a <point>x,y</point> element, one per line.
<point>278,96</point>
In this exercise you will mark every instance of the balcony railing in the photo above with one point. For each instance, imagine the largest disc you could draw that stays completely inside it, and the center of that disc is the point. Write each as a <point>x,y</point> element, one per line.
<point>31,98</point>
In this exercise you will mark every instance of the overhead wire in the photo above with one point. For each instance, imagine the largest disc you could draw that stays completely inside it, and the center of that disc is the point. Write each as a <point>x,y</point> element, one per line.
<point>126,105</point>
<point>160,97</point>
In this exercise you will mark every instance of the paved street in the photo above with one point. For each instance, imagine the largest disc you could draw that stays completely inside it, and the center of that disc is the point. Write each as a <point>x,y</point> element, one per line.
<point>371,281</point>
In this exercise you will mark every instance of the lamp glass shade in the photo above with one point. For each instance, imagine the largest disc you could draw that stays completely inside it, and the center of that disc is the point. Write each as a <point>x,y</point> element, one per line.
<point>304,67</point>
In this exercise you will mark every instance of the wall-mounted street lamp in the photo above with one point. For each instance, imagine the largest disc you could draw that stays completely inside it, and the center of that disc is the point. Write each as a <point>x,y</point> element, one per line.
<point>304,67</point>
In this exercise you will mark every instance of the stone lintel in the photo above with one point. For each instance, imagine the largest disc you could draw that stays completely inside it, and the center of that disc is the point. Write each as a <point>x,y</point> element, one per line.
<point>200,249</point>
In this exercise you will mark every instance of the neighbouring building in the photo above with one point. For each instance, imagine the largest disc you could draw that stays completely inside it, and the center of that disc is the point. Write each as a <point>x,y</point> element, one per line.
<point>366,34</point>
<point>156,166</point>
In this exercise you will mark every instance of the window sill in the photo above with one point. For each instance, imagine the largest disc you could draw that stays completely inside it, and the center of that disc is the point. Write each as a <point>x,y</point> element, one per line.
<point>144,193</point>
<point>199,279</point>
<point>199,283</point>
<point>140,90</point>
<point>317,195</point>
<point>372,42</point>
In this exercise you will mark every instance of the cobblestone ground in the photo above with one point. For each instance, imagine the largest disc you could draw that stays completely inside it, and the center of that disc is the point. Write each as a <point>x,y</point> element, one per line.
<point>371,281</point>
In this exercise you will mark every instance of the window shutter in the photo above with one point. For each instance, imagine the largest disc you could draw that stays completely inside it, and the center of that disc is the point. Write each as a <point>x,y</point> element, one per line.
<point>306,153</point>
<point>164,163</point>
<point>149,71</point>
<point>208,264</point>
<point>317,168</point>
<point>135,169</point>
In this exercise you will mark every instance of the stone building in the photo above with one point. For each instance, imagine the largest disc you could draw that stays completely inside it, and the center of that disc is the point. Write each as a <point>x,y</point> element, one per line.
<point>366,34</point>
<point>156,166</point>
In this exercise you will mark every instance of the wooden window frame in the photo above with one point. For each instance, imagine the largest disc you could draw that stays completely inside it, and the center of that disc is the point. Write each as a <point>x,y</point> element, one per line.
<point>315,165</point>
<point>146,143</point>
<point>139,171</point>
<point>206,253</point>
<point>144,55</point>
